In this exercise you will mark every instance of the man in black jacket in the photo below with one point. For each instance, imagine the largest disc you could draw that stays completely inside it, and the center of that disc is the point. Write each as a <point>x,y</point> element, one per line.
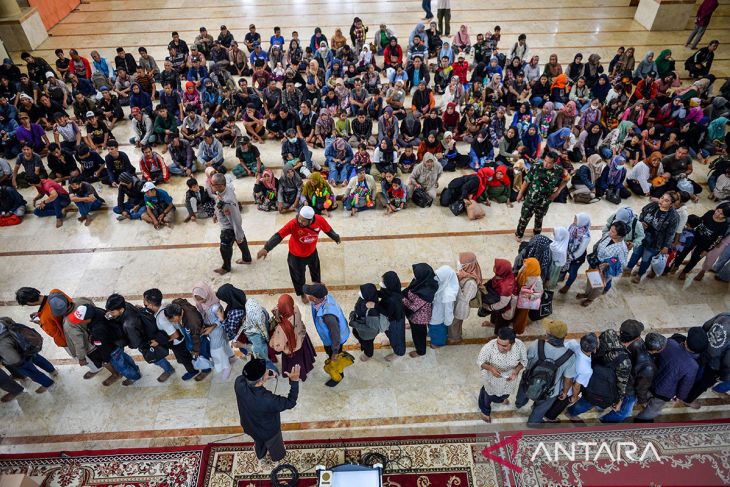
<point>260,409</point>
<point>139,332</point>
<point>716,360</point>
<point>130,189</point>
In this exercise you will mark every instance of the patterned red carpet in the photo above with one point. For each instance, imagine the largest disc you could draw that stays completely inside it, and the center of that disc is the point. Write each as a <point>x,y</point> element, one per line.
<point>148,467</point>
<point>695,454</point>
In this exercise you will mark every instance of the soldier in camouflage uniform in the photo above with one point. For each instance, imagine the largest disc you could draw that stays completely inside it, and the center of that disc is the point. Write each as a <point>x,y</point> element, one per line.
<point>542,185</point>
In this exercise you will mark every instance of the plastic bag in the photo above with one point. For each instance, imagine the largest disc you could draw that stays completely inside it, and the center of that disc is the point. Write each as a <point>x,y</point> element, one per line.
<point>202,363</point>
<point>659,263</point>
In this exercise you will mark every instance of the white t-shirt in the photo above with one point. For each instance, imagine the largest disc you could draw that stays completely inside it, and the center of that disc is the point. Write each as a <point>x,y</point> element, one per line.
<point>583,369</point>
<point>163,324</point>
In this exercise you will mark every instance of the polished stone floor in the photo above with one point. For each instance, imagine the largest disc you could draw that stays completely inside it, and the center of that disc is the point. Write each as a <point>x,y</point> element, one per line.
<point>434,394</point>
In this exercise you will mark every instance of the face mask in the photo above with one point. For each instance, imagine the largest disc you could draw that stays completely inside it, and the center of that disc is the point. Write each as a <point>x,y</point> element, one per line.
<point>459,265</point>
<point>382,286</point>
<point>619,167</point>
<point>292,140</point>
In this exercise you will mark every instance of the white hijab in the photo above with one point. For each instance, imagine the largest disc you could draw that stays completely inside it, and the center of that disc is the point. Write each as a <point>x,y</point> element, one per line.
<point>448,288</point>
<point>559,246</point>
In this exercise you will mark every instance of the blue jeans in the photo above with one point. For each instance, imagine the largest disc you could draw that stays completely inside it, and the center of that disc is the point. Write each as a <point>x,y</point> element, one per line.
<point>339,172</point>
<point>86,208</point>
<point>175,169</point>
<point>165,365</point>
<point>135,215</point>
<point>572,273</point>
<point>536,101</point>
<point>29,369</point>
<point>722,386</point>
<point>124,364</point>
<point>55,207</point>
<point>627,406</point>
<point>645,255</point>
<point>216,165</point>
<point>426,6</point>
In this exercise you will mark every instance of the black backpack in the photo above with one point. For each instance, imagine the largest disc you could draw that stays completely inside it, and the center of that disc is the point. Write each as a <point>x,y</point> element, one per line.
<point>601,390</point>
<point>421,198</point>
<point>29,341</point>
<point>541,376</point>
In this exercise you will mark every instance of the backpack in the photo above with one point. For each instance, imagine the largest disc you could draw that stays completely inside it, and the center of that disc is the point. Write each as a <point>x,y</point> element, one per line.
<point>421,198</point>
<point>601,390</point>
<point>541,377</point>
<point>29,341</point>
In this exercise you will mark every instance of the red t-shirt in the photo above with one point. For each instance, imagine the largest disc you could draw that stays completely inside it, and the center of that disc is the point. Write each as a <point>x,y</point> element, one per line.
<point>48,185</point>
<point>303,241</point>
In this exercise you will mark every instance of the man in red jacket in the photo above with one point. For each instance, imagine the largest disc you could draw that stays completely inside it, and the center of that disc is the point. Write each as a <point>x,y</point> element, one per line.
<point>304,234</point>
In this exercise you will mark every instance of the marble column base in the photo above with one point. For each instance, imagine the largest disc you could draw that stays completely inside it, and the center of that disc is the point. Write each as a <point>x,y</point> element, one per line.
<point>664,14</point>
<point>23,32</point>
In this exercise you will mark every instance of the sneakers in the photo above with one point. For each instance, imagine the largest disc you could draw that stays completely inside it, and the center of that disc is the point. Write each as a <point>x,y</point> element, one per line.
<point>188,375</point>
<point>202,375</point>
<point>391,357</point>
<point>89,374</point>
<point>164,376</point>
<point>635,278</point>
<point>128,382</point>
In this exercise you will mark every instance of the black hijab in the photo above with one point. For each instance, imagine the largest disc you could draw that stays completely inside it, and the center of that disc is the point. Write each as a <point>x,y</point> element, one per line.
<point>483,148</point>
<point>233,297</point>
<point>424,283</point>
<point>369,294</point>
<point>391,298</point>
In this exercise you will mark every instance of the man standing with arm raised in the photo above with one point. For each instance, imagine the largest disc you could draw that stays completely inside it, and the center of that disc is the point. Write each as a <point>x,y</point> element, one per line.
<point>304,231</point>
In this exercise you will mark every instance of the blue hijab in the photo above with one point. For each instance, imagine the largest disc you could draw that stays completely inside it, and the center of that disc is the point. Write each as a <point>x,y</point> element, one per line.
<point>555,139</point>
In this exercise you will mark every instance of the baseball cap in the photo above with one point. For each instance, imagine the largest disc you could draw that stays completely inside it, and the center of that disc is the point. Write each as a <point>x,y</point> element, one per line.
<point>135,110</point>
<point>148,186</point>
<point>90,114</point>
<point>58,304</point>
<point>79,315</point>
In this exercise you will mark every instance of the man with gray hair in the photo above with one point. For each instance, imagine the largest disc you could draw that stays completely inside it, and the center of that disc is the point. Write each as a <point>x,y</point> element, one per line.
<point>228,215</point>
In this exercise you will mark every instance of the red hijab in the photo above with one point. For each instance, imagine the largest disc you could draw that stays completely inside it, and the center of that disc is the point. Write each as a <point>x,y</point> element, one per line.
<point>504,279</point>
<point>500,182</point>
<point>486,176</point>
<point>285,305</point>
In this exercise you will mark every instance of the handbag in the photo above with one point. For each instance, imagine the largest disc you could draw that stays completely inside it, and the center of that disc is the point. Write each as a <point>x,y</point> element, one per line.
<point>545,309</point>
<point>457,207</point>
<point>529,298</point>
<point>592,258</point>
<point>475,211</point>
<point>613,195</point>
<point>421,198</point>
<point>153,354</point>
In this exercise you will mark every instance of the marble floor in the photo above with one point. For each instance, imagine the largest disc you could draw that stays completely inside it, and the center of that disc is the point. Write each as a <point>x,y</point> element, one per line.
<point>433,394</point>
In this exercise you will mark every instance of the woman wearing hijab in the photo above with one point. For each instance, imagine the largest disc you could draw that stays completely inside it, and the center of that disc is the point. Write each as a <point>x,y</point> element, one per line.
<point>481,150</point>
<point>531,141</point>
<point>391,305</point>
<point>235,311</point>
<point>317,193</point>
<point>616,138</point>
<point>612,178</point>
<point>461,41</point>
<point>639,181</point>
<point>446,52</point>
<point>469,275</point>
<point>289,337</point>
<point>635,230</point>
<point>418,303</point>
<point>220,350</point>
<point>499,187</point>
<point>539,248</point>
<point>625,62</point>
<point>256,328</point>
<point>579,233</point>
<point>593,69</point>
<point>585,178</point>
<point>589,140</point>
<point>442,314</point>
<point>507,153</point>
<point>553,68</point>
<point>646,66</point>
<point>265,191</point>
<point>566,116</point>
<point>365,320</point>
<point>501,288</point>
<point>559,256</point>
<point>290,189</point>
<point>664,63</point>
<point>545,118</point>
<point>600,88</point>
<point>385,157</point>
<point>715,140</point>
<point>576,68</point>
<point>338,40</point>
<point>527,277</point>
<point>558,140</point>
<point>558,90</point>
